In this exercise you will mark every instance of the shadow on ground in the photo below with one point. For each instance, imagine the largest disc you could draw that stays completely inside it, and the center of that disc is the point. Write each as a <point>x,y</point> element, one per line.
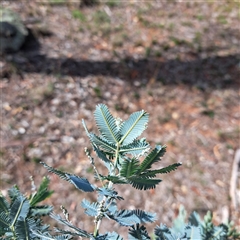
<point>212,72</point>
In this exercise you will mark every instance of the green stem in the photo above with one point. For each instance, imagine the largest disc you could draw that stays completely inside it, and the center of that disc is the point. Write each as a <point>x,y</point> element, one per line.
<point>110,184</point>
<point>13,231</point>
<point>97,226</point>
<point>117,155</point>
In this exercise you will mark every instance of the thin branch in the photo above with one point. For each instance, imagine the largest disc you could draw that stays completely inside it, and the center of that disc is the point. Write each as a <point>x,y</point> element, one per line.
<point>234,179</point>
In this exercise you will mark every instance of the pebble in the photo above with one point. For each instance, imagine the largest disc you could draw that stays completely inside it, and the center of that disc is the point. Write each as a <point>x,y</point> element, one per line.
<point>35,152</point>
<point>72,103</point>
<point>25,123</point>
<point>41,129</point>
<point>21,130</point>
<point>67,139</point>
<point>55,101</point>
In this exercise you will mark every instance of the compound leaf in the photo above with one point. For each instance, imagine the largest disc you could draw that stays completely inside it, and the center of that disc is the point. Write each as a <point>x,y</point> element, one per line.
<point>41,210</point>
<point>110,193</point>
<point>106,124</point>
<point>143,183</point>
<point>103,157</point>
<point>81,183</point>
<point>91,209</point>
<point>13,193</point>
<point>193,233</point>
<point>163,233</point>
<point>109,236</point>
<point>138,233</point>
<point>42,192</point>
<point>22,229</point>
<point>61,174</point>
<point>179,221</point>
<point>20,208</point>
<point>152,157</point>
<point>136,148</point>
<point>78,182</point>
<point>132,217</point>
<point>168,169</point>
<point>5,222</point>
<point>194,219</point>
<point>47,235</point>
<point>99,141</point>
<point>102,143</point>
<point>129,167</point>
<point>4,205</point>
<point>133,127</point>
<point>77,230</point>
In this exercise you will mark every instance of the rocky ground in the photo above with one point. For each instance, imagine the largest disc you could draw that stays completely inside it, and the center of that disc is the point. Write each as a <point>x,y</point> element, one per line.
<point>179,61</point>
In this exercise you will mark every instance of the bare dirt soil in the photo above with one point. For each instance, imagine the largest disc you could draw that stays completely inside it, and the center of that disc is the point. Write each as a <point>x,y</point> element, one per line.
<point>179,61</point>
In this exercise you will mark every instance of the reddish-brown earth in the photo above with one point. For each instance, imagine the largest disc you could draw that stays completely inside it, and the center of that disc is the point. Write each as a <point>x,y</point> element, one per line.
<point>179,61</point>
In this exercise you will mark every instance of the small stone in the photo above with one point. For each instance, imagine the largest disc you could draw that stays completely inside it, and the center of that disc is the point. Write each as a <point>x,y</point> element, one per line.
<point>35,153</point>
<point>67,139</point>
<point>55,101</point>
<point>6,106</point>
<point>41,129</point>
<point>175,115</point>
<point>21,130</point>
<point>72,103</point>
<point>25,123</point>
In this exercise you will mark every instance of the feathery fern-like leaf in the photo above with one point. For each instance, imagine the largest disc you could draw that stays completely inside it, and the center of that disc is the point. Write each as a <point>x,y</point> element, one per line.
<point>162,232</point>
<point>133,127</point>
<point>80,183</point>
<point>66,233</point>
<point>194,229</point>
<point>99,141</point>
<point>102,143</point>
<point>129,168</point>
<point>220,232</point>
<point>194,219</point>
<point>61,174</point>
<point>5,222</point>
<point>109,236</point>
<point>126,218</point>
<point>22,229</point>
<point>20,208</point>
<point>85,127</point>
<point>106,124</point>
<point>179,221</point>
<point>4,205</point>
<point>48,236</point>
<point>168,169</point>
<point>91,209</point>
<point>79,231</point>
<point>138,232</point>
<point>104,158</point>
<point>143,183</point>
<point>65,236</point>
<point>110,193</point>
<point>153,173</point>
<point>42,192</point>
<point>132,217</point>
<point>152,157</point>
<point>192,233</point>
<point>13,193</point>
<point>136,148</point>
<point>40,210</point>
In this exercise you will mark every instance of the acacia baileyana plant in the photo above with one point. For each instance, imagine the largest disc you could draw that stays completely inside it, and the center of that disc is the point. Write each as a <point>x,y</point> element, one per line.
<point>129,160</point>
<point>119,148</point>
<point>23,213</point>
